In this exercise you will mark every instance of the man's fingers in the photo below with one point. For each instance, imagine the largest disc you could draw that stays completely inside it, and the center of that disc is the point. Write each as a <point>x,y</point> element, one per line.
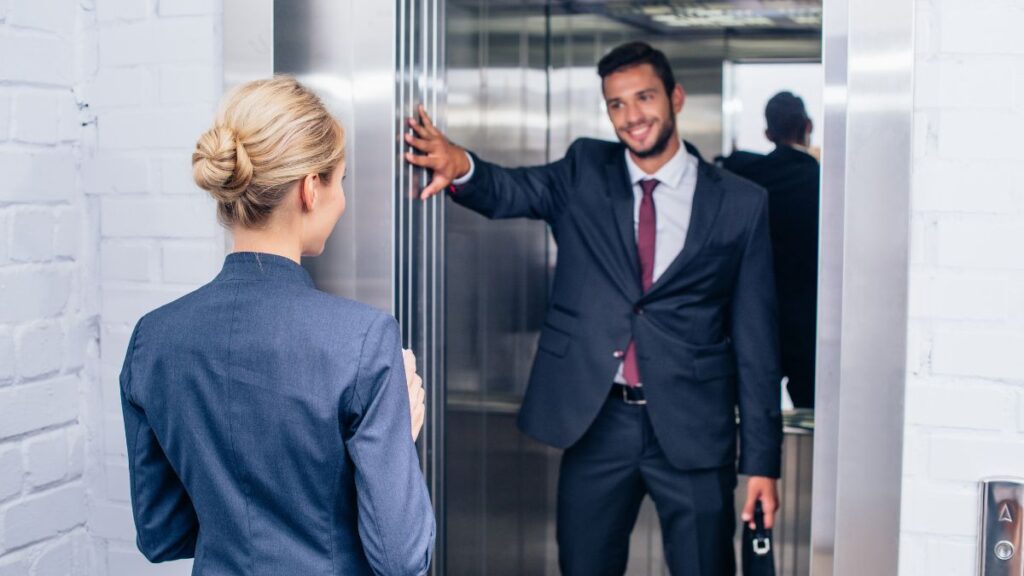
<point>436,185</point>
<point>769,517</point>
<point>748,509</point>
<point>419,129</point>
<point>418,143</point>
<point>425,118</point>
<point>421,161</point>
<point>770,505</point>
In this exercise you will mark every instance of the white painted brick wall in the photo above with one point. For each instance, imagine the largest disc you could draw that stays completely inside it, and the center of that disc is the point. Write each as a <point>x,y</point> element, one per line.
<point>99,223</point>
<point>153,91</point>
<point>965,392</point>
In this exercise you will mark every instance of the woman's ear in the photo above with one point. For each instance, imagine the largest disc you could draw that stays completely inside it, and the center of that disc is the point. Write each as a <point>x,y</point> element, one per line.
<point>309,192</point>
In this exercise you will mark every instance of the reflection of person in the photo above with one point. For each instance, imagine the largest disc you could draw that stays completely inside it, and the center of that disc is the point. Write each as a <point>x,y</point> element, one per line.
<point>268,423</point>
<point>792,176</point>
<point>661,323</point>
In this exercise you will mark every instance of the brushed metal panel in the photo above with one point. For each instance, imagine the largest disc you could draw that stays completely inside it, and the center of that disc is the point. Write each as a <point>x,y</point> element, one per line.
<point>863,286</point>
<point>337,49</point>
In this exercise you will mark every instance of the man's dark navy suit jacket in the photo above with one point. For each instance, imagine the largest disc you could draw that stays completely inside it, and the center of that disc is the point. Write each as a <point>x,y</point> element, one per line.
<point>706,331</point>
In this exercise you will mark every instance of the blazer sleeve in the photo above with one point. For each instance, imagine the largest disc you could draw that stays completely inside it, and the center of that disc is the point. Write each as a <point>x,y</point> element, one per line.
<point>396,520</point>
<point>754,329</point>
<point>537,192</point>
<point>165,521</point>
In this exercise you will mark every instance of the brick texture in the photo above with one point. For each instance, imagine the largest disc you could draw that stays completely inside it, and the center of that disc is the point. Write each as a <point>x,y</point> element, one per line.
<point>965,395</point>
<point>99,223</point>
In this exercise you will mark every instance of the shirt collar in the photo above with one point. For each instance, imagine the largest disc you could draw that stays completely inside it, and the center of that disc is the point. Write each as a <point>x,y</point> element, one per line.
<point>671,174</point>
<point>263,266</point>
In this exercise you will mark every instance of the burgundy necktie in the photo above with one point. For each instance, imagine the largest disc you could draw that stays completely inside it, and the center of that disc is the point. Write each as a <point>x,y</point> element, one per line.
<point>645,237</point>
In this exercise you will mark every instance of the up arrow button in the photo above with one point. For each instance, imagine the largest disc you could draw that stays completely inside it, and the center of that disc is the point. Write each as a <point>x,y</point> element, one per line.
<point>1004,515</point>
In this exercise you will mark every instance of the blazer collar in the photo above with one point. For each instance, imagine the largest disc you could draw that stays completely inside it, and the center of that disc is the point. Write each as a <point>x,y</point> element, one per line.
<point>620,193</point>
<point>792,154</point>
<point>707,202</point>
<point>263,266</point>
<point>670,174</point>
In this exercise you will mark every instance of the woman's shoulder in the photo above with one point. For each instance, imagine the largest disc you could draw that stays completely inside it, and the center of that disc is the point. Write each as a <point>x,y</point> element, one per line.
<point>307,310</point>
<point>342,307</point>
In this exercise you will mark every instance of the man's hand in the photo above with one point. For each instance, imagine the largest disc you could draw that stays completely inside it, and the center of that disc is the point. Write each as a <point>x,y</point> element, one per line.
<point>761,488</point>
<point>445,159</point>
<point>416,393</point>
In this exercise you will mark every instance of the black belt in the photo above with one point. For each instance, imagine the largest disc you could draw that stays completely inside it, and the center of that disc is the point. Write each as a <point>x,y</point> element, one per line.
<point>629,394</point>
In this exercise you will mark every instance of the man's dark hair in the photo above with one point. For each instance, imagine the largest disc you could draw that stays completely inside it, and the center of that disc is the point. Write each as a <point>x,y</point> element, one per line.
<point>634,54</point>
<point>787,118</point>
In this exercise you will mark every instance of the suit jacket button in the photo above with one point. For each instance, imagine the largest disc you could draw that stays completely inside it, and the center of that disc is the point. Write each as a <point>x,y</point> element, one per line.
<point>639,311</point>
<point>618,354</point>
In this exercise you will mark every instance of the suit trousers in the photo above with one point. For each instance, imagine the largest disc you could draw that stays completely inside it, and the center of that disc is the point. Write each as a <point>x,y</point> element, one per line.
<point>603,480</point>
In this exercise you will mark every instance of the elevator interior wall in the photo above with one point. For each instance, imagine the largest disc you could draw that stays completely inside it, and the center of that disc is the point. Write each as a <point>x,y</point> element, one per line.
<point>521,85</point>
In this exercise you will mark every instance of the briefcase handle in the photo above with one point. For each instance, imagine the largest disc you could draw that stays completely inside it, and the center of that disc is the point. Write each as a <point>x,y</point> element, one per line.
<point>762,540</point>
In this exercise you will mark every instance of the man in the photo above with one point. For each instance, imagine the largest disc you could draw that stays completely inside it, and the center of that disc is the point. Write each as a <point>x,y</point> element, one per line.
<point>661,322</point>
<point>792,176</point>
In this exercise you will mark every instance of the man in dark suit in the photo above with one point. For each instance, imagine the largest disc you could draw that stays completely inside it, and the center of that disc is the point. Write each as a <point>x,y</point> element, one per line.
<point>662,321</point>
<point>792,176</point>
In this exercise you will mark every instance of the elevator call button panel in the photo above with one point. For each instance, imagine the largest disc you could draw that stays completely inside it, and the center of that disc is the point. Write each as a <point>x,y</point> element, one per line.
<point>1002,527</point>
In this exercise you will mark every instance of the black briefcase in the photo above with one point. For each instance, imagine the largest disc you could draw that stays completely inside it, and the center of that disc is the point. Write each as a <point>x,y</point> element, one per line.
<point>758,558</point>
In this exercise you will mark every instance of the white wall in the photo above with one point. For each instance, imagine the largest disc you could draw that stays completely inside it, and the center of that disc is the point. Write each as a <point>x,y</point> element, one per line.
<point>749,87</point>
<point>101,102</point>
<point>965,389</point>
<point>154,86</point>
<point>47,307</point>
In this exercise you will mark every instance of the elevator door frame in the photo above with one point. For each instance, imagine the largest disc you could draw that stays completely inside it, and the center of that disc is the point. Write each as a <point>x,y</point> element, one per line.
<point>864,258</point>
<point>864,266</point>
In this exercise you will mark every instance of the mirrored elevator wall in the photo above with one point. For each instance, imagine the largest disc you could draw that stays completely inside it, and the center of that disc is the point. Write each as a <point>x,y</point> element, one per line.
<point>500,483</point>
<point>521,86</point>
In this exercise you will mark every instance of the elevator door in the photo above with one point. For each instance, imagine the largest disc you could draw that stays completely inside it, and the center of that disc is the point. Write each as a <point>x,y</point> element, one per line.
<point>521,85</point>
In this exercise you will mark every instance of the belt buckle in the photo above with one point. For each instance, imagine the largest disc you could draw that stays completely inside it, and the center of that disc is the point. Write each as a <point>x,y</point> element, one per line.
<point>625,398</point>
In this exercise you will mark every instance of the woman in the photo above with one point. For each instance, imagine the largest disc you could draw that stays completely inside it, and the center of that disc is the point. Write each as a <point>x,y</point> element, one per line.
<point>268,423</point>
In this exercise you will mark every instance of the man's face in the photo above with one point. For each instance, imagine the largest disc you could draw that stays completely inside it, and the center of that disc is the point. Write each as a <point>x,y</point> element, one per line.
<point>642,113</point>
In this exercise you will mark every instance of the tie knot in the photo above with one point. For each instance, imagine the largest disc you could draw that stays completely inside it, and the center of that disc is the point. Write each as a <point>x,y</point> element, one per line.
<point>647,186</point>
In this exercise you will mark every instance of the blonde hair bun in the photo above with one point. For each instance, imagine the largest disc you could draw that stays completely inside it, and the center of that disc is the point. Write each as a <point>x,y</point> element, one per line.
<point>220,164</point>
<point>268,135</point>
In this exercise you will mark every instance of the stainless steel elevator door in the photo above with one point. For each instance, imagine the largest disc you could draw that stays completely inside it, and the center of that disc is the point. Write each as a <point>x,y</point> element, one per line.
<point>521,86</point>
<point>499,483</point>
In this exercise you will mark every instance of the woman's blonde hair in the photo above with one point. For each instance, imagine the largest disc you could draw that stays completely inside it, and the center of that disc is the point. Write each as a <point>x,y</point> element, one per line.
<point>268,134</point>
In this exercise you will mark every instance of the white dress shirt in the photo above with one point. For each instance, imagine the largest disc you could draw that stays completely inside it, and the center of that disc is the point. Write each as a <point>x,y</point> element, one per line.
<point>673,201</point>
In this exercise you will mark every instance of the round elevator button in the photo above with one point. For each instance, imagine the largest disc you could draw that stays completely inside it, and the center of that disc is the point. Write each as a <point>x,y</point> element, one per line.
<point>1004,550</point>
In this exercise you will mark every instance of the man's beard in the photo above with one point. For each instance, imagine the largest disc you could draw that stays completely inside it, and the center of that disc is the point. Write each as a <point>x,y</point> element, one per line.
<point>664,137</point>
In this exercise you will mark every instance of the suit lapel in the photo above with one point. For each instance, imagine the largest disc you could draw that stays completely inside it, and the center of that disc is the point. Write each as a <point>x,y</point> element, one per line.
<point>707,203</point>
<point>620,192</point>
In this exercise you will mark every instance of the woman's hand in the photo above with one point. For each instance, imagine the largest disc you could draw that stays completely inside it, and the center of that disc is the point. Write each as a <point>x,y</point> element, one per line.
<point>416,393</point>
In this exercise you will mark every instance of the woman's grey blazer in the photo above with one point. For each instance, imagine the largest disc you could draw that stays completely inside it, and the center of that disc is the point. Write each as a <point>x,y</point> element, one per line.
<point>269,433</point>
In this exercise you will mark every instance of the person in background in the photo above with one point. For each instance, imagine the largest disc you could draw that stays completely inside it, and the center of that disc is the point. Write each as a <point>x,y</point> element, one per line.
<point>661,324</point>
<point>792,175</point>
<point>271,426</point>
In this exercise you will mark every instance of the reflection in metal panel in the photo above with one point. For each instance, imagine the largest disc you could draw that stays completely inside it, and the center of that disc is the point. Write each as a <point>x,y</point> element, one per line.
<point>496,296</point>
<point>419,231</point>
<point>861,362</point>
<point>522,84</point>
<point>316,41</point>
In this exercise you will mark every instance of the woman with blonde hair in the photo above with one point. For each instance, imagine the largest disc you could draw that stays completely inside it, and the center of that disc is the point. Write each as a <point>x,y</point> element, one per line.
<point>271,426</point>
